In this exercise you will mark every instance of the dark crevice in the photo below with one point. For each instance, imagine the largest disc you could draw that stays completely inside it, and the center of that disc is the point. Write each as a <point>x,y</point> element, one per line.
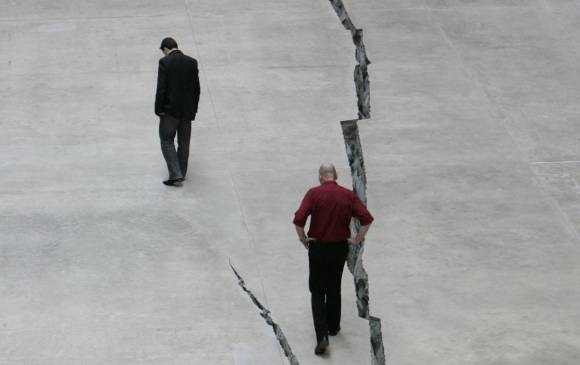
<point>355,254</point>
<point>265,313</point>
<point>361,75</point>
<point>354,154</point>
<point>356,162</point>
<point>377,348</point>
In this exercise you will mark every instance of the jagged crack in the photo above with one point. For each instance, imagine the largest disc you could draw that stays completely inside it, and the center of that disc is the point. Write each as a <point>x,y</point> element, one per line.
<point>354,154</point>
<point>361,53</point>
<point>265,313</point>
<point>377,349</point>
<point>355,157</point>
<point>342,14</point>
<point>361,80</point>
<point>356,162</point>
<point>361,76</point>
<point>355,263</point>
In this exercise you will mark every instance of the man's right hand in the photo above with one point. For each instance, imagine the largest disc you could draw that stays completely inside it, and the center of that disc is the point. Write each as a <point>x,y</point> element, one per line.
<point>360,236</point>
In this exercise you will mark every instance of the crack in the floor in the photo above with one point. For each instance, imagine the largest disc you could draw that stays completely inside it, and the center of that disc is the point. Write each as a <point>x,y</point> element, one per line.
<point>265,313</point>
<point>361,75</point>
<point>355,255</point>
<point>356,162</point>
<point>354,261</point>
<point>354,154</point>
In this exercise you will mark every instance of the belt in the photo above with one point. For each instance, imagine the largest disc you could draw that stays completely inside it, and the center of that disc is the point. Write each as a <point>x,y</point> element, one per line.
<point>329,242</point>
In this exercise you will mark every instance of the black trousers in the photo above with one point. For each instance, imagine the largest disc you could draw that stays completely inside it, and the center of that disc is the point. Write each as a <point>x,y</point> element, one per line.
<point>176,160</point>
<point>326,263</point>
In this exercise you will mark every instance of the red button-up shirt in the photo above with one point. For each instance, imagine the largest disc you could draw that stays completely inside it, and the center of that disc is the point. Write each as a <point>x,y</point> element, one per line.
<point>331,208</point>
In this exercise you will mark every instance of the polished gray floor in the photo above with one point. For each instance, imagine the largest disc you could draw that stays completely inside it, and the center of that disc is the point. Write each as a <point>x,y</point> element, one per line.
<point>473,161</point>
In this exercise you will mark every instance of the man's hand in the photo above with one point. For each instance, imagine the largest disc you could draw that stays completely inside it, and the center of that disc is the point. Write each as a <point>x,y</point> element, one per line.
<point>360,235</point>
<point>302,236</point>
<point>306,242</point>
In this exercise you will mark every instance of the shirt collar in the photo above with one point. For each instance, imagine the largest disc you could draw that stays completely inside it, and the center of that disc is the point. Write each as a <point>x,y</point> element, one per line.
<point>329,182</point>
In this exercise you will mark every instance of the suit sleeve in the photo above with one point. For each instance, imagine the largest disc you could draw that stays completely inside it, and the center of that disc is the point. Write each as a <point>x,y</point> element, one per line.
<point>303,211</point>
<point>161,89</point>
<point>361,212</point>
<point>196,87</point>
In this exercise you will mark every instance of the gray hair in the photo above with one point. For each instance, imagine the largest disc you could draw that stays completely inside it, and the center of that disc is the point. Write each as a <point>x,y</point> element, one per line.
<point>327,170</point>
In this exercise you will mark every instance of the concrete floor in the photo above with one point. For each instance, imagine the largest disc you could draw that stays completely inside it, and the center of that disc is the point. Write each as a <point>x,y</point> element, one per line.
<point>473,161</point>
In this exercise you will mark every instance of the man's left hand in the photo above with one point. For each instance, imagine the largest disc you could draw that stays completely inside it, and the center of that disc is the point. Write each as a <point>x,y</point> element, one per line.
<point>306,242</point>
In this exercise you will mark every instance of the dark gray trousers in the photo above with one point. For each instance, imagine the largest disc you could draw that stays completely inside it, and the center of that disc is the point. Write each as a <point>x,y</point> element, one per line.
<point>176,159</point>
<point>326,263</point>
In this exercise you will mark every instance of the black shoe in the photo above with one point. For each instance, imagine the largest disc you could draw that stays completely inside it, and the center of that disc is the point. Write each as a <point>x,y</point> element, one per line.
<point>173,182</point>
<point>321,346</point>
<point>335,332</point>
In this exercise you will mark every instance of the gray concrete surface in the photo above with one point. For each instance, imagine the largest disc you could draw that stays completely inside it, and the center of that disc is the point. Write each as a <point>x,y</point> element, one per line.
<point>472,158</point>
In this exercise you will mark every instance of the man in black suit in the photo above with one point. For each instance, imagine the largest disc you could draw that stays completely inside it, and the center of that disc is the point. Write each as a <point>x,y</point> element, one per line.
<point>176,103</point>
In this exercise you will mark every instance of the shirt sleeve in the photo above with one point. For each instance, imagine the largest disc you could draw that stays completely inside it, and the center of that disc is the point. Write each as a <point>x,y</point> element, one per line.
<point>161,89</point>
<point>196,88</point>
<point>304,211</point>
<point>361,212</point>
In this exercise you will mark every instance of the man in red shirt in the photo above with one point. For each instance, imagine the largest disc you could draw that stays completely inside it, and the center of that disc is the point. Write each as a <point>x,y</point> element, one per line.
<point>331,208</point>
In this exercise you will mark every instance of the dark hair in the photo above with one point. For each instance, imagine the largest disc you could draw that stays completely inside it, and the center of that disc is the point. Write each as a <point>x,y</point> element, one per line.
<point>168,43</point>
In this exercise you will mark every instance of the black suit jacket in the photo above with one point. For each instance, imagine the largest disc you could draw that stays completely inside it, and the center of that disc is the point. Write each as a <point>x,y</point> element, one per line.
<point>177,86</point>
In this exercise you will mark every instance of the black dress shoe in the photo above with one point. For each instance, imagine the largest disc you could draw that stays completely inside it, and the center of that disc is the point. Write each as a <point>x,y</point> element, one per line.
<point>321,346</point>
<point>335,332</point>
<point>173,182</point>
